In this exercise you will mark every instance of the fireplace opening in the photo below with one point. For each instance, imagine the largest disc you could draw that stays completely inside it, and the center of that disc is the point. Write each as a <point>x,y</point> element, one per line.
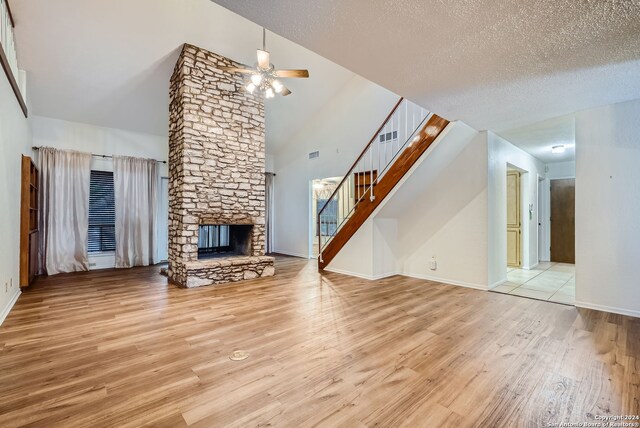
<point>224,240</point>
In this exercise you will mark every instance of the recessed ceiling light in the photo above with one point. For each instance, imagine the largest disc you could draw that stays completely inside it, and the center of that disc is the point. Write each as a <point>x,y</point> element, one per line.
<point>558,149</point>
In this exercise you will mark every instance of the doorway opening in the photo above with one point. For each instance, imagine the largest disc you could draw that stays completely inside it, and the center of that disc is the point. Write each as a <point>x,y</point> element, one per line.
<point>321,191</point>
<point>530,271</point>
<point>541,263</point>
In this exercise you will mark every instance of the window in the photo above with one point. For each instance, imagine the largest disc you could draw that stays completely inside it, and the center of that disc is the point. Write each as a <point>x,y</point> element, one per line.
<point>102,213</point>
<point>329,217</point>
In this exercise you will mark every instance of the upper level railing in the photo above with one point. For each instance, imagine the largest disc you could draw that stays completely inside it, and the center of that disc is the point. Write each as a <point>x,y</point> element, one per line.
<point>8,54</point>
<point>398,131</point>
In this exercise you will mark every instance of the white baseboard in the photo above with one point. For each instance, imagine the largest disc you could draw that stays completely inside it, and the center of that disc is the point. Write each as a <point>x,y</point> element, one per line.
<point>385,275</point>
<point>531,267</point>
<point>610,309</point>
<point>7,309</point>
<point>360,275</point>
<point>447,281</point>
<point>289,253</point>
<point>497,283</point>
<point>418,276</point>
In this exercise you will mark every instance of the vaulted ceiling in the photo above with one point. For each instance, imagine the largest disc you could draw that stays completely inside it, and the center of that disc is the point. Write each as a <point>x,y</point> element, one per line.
<point>108,62</point>
<point>494,64</point>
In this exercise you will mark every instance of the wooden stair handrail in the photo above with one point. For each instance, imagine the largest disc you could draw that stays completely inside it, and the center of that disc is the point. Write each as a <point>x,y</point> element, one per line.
<point>13,23</point>
<point>432,128</point>
<point>335,192</point>
<point>9,72</point>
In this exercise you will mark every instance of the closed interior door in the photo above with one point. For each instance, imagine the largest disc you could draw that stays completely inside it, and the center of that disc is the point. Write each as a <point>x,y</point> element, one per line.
<point>563,220</point>
<point>541,239</point>
<point>513,219</point>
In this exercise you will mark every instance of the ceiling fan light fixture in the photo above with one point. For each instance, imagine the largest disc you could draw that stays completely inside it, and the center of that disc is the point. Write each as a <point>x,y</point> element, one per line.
<point>256,79</point>
<point>262,78</point>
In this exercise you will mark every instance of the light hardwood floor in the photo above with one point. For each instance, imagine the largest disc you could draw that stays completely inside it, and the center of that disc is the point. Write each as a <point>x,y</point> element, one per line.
<point>123,348</point>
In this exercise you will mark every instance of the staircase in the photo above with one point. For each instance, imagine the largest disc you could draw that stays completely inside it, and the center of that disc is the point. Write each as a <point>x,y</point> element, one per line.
<point>399,142</point>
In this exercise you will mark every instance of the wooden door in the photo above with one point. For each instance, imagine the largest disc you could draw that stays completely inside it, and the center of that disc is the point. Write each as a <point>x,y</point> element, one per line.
<point>563,220</point>
<point>513,219</point>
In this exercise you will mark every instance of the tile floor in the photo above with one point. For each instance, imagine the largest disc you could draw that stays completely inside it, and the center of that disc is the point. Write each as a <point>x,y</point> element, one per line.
<point>554,282</point>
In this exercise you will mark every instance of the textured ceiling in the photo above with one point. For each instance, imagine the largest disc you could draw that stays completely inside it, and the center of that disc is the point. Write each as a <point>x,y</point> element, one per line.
<point>493,64</point>
<point>108,62</point>
<point>537,139</point>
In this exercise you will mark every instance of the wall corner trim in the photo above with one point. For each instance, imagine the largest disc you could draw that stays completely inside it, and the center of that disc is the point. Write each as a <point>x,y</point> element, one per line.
<point>497,283</point>
<point>7,309</point>
<point>610,309</point>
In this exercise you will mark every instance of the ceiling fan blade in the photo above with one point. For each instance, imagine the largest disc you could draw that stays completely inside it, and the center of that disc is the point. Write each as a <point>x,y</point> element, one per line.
<point>292,73</point>
<point>263,59</point>
<point>238,70</point>
<point>285,92</point>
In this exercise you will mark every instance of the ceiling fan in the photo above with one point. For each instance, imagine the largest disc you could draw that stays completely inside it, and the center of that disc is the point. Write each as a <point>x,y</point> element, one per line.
<point>264,76</point>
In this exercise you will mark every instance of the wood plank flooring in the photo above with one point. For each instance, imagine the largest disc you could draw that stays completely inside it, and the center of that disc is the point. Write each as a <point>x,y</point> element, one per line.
<point>123,348</point>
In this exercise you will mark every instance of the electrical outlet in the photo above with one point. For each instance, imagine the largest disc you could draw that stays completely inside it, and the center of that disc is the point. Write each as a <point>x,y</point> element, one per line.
<point>433,265</point>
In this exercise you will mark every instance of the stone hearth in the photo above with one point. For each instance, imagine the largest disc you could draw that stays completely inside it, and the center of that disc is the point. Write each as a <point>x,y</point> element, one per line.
<point>216,169</point>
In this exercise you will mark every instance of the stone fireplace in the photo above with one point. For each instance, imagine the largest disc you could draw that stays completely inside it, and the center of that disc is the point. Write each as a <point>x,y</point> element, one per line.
<point>224,240</point>
<point>216,174</point>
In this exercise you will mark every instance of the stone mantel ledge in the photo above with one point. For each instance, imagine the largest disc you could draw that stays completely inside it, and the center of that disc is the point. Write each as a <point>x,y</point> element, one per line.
<point>228,261</point>
<point>225,270</point>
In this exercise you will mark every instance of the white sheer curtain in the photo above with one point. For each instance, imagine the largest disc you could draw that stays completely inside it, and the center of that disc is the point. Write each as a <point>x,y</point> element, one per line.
<point>268,212</point>
<point>136,198</point>
<point>64,210</point>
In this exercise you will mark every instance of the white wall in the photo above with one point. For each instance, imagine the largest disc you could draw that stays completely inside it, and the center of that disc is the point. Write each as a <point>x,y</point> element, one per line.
<point>501,154</point>
<point>269,162</point>
<point>439,210</point>
<point>340,130</point>
<point>106,141</point>
<point>15,140</point>
<point>356,257</point>
<point>371,251</point>
<point>561,170</point>
<point>607,208</point>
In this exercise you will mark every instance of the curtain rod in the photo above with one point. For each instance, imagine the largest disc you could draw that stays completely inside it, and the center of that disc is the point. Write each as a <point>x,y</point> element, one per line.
<point>271,173</point>
<point>99,156</point>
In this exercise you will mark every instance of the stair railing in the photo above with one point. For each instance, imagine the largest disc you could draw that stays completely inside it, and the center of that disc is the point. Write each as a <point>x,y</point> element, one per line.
<point>398,131</point>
